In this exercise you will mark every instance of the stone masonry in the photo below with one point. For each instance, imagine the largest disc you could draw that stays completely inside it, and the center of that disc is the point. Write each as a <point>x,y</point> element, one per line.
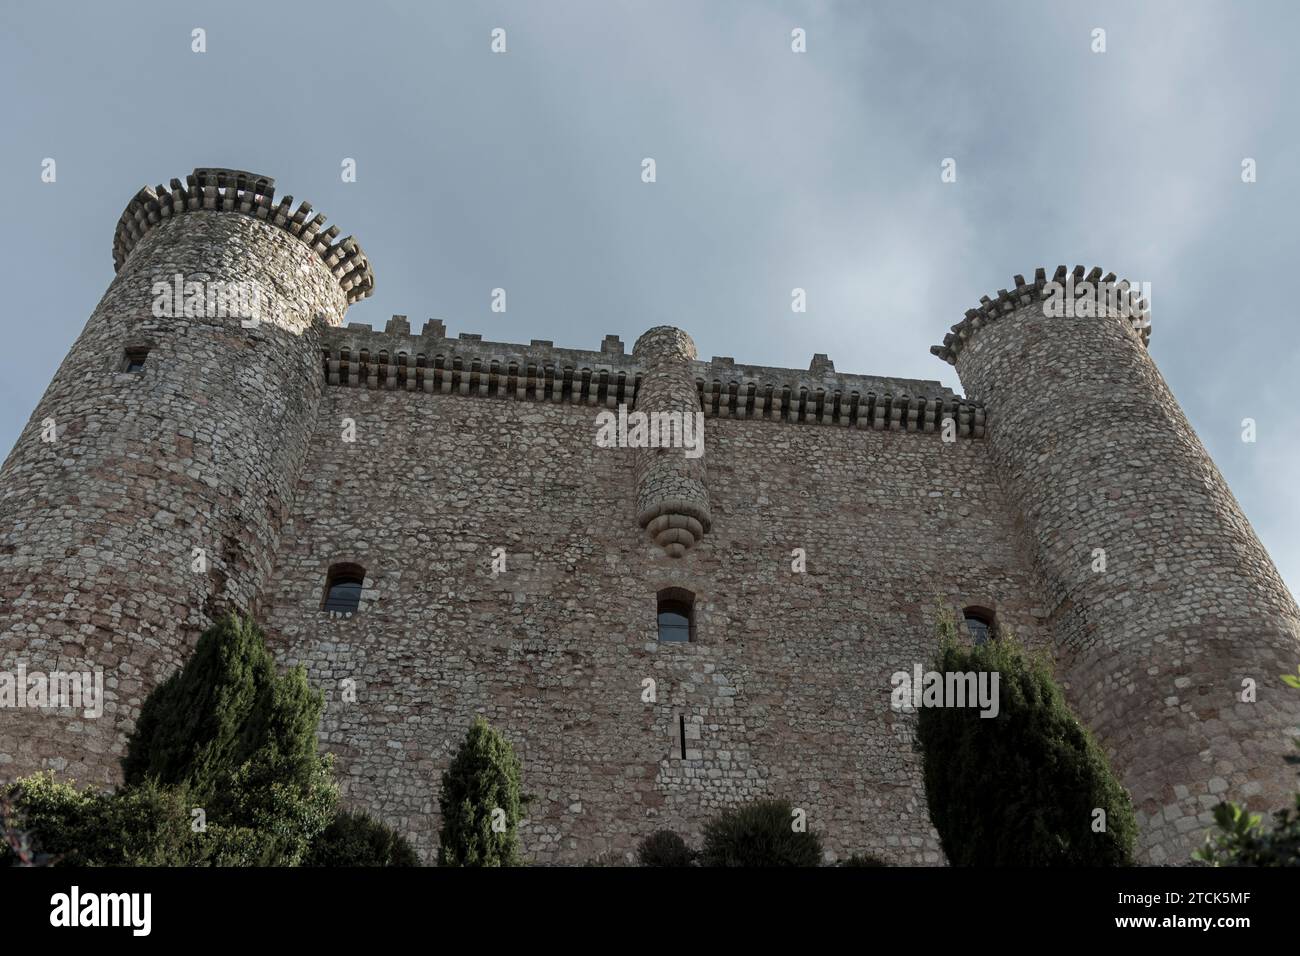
<point>244,459</point>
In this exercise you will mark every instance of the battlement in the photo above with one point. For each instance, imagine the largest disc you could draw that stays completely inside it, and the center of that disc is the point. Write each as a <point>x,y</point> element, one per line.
<point>1082,284</point>
<point>667,558</point>
<point>358,356</point>
<point>233,190</point>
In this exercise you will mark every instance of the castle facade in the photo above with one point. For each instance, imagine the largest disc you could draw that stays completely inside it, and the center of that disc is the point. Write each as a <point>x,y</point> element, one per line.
<point>434,528</point>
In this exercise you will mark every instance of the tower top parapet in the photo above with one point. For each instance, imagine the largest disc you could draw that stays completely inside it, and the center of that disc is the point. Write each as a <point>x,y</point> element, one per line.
<point>238,191</point>
<point>1105,292</point>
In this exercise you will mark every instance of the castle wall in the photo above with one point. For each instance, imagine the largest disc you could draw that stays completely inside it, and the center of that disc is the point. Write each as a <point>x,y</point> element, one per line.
<point>784,693</point>
<point>140,503</point>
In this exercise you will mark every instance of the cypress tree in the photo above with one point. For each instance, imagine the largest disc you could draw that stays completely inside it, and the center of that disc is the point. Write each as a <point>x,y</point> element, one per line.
<point>241,739</point>
<point>1022,788</point>
<point>481,802</point>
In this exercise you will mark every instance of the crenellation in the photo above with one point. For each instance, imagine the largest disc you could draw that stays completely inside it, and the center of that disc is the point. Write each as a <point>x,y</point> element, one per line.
<point>725,389</point>
<point>783,686</point>
<point>1024,294</point>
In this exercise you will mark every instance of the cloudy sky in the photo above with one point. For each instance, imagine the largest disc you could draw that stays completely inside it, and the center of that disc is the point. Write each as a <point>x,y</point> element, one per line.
<point>775,170</point>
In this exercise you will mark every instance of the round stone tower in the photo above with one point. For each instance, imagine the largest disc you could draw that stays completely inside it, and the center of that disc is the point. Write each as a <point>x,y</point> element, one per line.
<point>146,494</point>
<point>1171,623</point>
<point>672,498</point>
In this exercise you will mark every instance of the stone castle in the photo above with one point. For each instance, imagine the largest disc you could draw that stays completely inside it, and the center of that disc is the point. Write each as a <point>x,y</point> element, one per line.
<point>428,525</point>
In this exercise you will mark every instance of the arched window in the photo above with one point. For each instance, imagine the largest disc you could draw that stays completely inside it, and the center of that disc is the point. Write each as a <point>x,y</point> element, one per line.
<point>343,588</point>
<point>676,616</point>
<point>980,624</point>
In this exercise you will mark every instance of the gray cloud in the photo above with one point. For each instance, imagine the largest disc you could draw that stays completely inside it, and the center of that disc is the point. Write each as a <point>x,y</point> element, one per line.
<point>775,171</point>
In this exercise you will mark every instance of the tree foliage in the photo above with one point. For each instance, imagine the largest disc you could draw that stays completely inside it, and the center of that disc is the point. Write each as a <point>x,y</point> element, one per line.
<point>481,802</point>
<point>221,770</point>
<point>1025,787</point>
<point>761,833</point>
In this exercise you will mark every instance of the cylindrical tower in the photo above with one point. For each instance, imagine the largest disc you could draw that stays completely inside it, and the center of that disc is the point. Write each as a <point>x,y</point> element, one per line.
<point>147,491</point>
<point>671,496</point>
<point>1165,607</point>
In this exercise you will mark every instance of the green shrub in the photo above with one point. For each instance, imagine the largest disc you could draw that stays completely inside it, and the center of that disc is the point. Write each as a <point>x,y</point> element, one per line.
<point>483,777</point>
<point>1020,788</point>
<point>358,839</point>
<point>664,848</point>
<point>759,834</point>
<point>226,735</point>
<point>57,819</point>
<point>146,825</point>
<point>1241,840</point>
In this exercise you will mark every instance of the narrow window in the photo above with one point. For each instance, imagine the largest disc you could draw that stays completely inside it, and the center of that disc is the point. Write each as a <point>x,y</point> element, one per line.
<point>980,625</point>
<point>343,588</point>
<point>681,727</point>
<point>133,359</point>
<point>676,616</point>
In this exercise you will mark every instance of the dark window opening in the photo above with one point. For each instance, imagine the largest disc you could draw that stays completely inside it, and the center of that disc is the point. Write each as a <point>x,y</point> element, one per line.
<point>343,588</point>
<point>133,360</point>
<point>676,616</point>
<point>681,726</point>
<point>980,624</point>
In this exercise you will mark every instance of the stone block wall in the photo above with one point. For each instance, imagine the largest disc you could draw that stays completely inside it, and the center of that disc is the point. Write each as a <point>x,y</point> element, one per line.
<point>229,465</point>
<point>199,448</point>
<point>785,691</point>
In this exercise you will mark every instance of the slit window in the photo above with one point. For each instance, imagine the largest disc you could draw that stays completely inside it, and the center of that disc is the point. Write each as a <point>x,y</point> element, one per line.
<point>681,729</point>
<point>676,616</point>
<point>343,588</point>
<point>133,359</point>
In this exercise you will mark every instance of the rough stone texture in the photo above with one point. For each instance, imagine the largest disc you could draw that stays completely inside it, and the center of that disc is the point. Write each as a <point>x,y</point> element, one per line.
<point>786,690</point>
<point>672,496</point>
<point>1154,650</point>
<point>234,440</point>
<point>200,449</point>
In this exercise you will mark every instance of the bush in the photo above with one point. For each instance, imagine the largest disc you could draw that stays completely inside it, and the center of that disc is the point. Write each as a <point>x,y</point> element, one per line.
<point>56,818</point>
<point>483,778</point>
<point>358,839</point>
<point>1021,788</point>
<point>865,859</point>
<point>664,848</point>
<point>147,825</point>
<point>759,834</point>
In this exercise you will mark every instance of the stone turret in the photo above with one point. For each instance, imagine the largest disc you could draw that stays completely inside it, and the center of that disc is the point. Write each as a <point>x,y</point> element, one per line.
<point>672,497</point>
<point>1161,599</point>
<point>146,493</point>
